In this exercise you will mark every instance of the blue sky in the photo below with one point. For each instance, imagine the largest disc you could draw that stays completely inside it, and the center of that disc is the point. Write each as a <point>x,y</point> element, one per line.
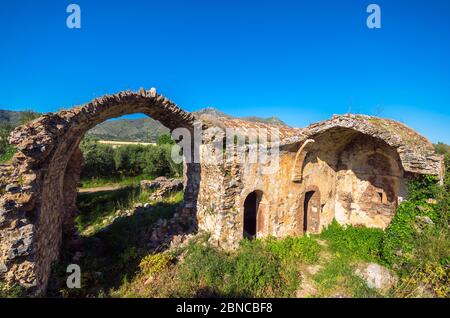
<point>302,61</point>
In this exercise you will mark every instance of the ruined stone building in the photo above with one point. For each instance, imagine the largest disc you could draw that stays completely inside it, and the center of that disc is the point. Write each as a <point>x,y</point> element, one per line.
<point>352,168</point>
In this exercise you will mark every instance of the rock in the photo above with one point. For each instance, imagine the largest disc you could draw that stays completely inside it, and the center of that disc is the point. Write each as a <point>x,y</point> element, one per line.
<point>2,216</point>
<point>424,219</point>
<point>421,208</point>
<point>3,268</point>
<point>161,187</point>
<point>12,254</point>
<point>12,188</point>
<point>376,276</point>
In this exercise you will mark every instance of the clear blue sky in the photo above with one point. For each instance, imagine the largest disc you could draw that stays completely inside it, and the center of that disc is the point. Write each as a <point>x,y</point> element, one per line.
<point>302,61</point>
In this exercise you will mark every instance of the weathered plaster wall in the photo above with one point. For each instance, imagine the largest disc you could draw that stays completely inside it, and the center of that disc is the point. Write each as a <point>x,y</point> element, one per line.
<point>356,177</point>
<point>369,182</point>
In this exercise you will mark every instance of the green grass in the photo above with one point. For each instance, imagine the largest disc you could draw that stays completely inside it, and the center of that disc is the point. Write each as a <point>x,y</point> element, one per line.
<point>338,278</point>
<point>119,181</point>
<point>111,252</point>
<point>268,267</point>
<point>347,246</point>
<point>97,209</point>
<point>359,243</point>
<point>259,268</point>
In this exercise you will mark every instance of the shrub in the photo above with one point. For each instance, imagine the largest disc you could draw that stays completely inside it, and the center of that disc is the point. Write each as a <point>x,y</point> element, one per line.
<point>10,292</point>
<point>6,153</point>
<point>431,279</point>
<point>28,115</point>
<point>359,242</point>
<point>423,188</point>
<point>442,148</point>
<point>301,248</point>
<point>405,232</point>
<point>155,263</point>
<point>418,250</point>
<point>6,150</point>
<point>165,139</point>
<point>103,161</point>
<point>257,271</point>
<point>258,268</point>
<point>203,266</point>
<point>401,235</point>
<point>98,159</point>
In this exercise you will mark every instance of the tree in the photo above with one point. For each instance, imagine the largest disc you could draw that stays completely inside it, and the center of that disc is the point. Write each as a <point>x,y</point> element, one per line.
<point>165,139</point>
<point>98,159</point>
<point>442,148</point>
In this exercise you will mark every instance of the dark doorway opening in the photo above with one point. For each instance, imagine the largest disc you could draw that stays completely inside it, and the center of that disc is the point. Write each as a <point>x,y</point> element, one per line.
<point>251,207</point>
<point>306,204</point>
<point>311,212</point>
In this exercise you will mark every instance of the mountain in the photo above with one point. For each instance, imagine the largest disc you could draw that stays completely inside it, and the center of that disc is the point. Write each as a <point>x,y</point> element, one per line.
<point>9,117</point>
<point>211,111</point>
<point>269,120</point>
<point>140,129</point>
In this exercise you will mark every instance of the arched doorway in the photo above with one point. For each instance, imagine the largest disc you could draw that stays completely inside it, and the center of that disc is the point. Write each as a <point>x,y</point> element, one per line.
<point>311,212</point>
<point>252,215</point>
<point>50,164</point>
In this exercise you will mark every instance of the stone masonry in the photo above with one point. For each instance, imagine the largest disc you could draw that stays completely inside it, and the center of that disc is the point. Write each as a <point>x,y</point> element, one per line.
<point>351,168</point>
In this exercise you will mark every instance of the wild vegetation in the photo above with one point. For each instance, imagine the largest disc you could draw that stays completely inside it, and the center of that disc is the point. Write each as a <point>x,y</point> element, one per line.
<point>416,247</point>
<point>117,262</point>
<point>113,244</point>
<point>126,165</point>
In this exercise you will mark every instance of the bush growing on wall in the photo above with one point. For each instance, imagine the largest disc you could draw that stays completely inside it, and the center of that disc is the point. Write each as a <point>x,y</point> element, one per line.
<point>7,151</point>
<point>417,242</point>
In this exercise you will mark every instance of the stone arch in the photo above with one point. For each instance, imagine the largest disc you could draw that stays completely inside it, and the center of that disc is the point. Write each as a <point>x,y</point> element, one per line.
<point>46,171</point>
<point>351,169</point>
<point>297,169</point>
<point>416,153</point>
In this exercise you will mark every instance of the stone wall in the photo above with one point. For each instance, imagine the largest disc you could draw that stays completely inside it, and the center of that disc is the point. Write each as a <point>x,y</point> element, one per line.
<point>355,173</point>
<point>352,168</point>
<point>39,188</point>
